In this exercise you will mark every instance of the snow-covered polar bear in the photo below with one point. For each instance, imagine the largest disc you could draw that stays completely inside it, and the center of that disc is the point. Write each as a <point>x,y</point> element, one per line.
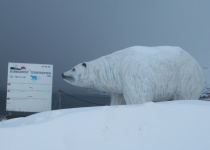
<point>141,74</point>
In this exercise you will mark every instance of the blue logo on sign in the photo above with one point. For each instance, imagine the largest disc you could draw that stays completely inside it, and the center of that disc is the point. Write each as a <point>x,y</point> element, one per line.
<point>34,78</point>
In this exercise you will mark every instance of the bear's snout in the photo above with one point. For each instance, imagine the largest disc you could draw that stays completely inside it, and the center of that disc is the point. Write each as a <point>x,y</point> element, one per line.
<point>64,76</point>
<point>67,77</point>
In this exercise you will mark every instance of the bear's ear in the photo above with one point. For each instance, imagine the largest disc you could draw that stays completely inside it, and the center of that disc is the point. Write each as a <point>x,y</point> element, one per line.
<point>84,64</point>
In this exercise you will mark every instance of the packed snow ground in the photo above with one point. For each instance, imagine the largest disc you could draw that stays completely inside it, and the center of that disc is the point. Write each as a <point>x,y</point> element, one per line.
<point>175,125</point>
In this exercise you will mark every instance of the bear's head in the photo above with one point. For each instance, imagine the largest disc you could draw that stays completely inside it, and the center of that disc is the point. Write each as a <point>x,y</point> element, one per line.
<point>78,75</point>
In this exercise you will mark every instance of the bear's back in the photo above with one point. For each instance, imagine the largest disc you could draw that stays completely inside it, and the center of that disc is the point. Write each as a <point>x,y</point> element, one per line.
<point>143,51</point>
<point>147,55</point>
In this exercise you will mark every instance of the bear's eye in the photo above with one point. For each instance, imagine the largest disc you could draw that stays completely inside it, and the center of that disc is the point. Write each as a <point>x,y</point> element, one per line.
<point>73,69</point>
<point>84,64</point>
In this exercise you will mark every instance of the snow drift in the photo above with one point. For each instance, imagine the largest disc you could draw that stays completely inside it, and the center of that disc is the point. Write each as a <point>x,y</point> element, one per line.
<point>175,125</point>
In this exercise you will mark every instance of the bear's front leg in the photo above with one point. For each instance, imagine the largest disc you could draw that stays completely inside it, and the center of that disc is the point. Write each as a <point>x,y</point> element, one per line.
<point>138,95</point>
<point>117,99</point>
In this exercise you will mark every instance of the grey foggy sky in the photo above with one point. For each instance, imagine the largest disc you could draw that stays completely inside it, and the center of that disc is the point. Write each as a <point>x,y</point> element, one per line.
<point>67,32</point>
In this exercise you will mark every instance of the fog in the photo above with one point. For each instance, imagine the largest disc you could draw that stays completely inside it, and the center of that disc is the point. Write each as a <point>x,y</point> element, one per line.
<point>64,33</point>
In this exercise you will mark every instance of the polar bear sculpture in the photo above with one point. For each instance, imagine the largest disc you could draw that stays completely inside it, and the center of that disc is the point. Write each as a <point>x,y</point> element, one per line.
<point>141,74</point>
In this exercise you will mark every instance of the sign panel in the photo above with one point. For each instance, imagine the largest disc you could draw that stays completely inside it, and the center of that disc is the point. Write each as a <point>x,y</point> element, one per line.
<point>29,87</point>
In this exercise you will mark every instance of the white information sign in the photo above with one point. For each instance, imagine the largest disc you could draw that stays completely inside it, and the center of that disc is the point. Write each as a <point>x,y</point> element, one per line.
<point>29,87</point>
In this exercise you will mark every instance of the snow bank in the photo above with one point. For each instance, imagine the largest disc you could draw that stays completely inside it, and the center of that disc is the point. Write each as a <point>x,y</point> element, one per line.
<point>176,125</point>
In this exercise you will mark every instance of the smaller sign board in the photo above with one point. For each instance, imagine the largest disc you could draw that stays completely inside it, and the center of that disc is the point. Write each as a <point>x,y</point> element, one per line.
<point>29,87</point>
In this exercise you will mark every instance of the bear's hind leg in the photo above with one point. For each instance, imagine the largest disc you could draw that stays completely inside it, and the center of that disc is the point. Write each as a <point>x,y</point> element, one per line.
<point>191,85</point>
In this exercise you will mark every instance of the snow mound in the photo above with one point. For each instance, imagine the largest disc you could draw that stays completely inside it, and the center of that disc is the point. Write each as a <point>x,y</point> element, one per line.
<point>175,125</point>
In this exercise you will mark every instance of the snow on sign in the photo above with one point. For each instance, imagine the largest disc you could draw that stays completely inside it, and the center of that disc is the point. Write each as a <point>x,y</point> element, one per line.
<point>29,87</point>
